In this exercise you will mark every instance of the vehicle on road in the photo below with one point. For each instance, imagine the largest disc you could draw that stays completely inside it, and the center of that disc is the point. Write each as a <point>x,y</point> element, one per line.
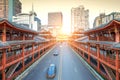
<point>55,53</point>
<point>51,71</point>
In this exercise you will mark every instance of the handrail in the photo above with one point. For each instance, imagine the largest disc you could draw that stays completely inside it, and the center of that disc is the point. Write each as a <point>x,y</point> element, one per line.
<point>13,57</point>
<point>101,57</point>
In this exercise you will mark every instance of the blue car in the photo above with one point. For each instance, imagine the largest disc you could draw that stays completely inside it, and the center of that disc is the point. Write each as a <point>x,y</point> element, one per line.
<point>51,71</point>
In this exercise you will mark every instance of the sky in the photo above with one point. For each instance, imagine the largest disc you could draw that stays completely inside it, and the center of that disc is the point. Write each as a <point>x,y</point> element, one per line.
<point>42,7</point>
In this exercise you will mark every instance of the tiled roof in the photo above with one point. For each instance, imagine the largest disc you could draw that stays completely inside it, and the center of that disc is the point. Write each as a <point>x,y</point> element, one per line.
<point>40,39</point>
<point>9,43</point>
<point>20,26</point>
<point>112,44</point>
<point>102,25</point>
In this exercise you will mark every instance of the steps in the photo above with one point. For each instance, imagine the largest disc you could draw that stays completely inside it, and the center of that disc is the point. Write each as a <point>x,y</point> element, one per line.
<point>12,69</point>
<point>109,72</point>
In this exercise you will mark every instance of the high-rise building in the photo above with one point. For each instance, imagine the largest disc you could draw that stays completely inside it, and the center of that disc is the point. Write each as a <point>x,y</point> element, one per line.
<point>55,20</point>
<point>9,8</point>
<point>28,19</point>
<point>79,19</point>
<point>103,18</point>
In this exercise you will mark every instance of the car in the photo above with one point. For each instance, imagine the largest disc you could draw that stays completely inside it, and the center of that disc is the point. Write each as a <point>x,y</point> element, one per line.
<point>51,71</point>
<point>55,53</point>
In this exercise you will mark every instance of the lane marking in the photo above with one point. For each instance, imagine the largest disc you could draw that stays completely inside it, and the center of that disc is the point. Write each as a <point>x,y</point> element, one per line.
<point>60,67</point>
<point>45,69</point>
<point>75,69</point>
<point>49,61</point>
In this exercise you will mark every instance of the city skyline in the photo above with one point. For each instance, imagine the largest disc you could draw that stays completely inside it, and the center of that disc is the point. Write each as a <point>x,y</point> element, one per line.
<point>95,8</point>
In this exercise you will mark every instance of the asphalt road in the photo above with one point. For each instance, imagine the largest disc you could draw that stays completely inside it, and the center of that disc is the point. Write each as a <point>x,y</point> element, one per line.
<point>69,66</point>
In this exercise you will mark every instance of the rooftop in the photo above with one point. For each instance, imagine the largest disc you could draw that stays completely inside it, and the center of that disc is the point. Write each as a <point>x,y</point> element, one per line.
<point>101,26</point>
<point>18,26</point>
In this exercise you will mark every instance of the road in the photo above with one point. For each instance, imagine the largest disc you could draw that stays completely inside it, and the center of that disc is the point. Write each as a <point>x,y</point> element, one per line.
<point>69,66</point>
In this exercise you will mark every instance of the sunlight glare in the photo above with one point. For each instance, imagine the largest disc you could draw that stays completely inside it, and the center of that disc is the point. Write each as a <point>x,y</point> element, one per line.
<point>66,29</point>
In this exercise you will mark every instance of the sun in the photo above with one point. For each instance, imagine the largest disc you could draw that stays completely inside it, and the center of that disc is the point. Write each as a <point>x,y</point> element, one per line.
<point>65,30</point>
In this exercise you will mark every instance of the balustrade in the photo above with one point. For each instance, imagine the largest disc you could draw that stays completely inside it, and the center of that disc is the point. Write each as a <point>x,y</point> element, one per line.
<point>83,47</point>
<point>13,58</point>
<point>17,38</point>
<point>103,38</point>
<point>28,52</point>
<point>93,52</point>
<point>28,38</point>
<point>107,59</point>
<point>93,38</point>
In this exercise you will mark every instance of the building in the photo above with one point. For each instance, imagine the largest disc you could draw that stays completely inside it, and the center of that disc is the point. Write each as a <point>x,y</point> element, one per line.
<point>44,27</point>
<point>55,20</point>
<point>9,8</point>
<point>79,19</point>
<point>103,19</point>
<point>28,19</point>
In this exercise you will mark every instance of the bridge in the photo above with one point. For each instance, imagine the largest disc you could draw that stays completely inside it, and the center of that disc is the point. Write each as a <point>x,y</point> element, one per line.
<point>25,55</point>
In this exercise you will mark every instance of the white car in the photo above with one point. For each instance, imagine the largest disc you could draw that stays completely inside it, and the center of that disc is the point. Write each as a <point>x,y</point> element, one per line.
<point>55,53</point>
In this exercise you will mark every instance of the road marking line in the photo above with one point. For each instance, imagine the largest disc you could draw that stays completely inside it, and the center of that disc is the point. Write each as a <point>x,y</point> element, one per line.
<point>60,67</point>
<point>75,69</point>
<point>44,70</point>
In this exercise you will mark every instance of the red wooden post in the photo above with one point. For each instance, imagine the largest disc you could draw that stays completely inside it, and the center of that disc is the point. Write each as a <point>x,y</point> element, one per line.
<point>23,56</point>
<point>33,52</point>
<point>117,66</point>
<point>4,34</point>
<point>23,37</point>
<point>98,56</point>
<point>98,38</point>
<point>3,64</point>
<point>89,52</point>
<point>117,37</point>
<point>39,50</point>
